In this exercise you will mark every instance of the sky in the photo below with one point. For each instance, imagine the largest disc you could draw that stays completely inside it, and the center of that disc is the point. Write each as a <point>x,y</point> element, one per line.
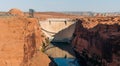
<point>62,5</point>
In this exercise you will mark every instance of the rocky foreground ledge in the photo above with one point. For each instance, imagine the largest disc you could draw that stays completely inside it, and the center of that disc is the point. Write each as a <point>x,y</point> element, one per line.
<point>20,40</point>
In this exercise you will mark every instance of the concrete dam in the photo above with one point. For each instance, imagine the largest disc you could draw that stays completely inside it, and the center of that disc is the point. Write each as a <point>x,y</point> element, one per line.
<point>58,29</point>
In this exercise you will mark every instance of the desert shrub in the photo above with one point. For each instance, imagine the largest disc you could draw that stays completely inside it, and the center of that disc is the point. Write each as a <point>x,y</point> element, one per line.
<point>47,41</point>
<point>42,35</point>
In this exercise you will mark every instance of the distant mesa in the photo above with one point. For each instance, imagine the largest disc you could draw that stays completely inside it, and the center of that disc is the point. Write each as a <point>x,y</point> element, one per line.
<point>17,12</point>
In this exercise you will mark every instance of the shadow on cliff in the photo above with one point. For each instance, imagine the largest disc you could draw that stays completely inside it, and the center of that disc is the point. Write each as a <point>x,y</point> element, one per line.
<point>64,35</point>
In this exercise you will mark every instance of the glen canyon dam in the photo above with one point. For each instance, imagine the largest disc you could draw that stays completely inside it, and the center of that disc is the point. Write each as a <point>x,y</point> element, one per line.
<point>59,39</point>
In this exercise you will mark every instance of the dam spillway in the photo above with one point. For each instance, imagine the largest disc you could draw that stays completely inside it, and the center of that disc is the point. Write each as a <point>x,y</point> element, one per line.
<point>58,29</point>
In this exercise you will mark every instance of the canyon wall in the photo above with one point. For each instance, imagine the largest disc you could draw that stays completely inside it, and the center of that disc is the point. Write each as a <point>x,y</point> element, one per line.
<point>20,40</point>
<point>97,41</point>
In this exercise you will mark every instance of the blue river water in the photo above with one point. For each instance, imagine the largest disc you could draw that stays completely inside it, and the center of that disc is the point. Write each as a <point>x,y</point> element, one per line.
<point>66,62</point>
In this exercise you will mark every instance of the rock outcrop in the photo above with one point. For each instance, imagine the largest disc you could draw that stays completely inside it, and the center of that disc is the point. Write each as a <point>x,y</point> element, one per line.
<point>16,12</point>
<point>20,39</point>
<point>97,41</point>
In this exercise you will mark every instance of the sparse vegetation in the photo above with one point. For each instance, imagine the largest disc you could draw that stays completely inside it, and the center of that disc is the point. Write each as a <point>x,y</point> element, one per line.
<point>47,41</point>
<point>42,35</point>
<point>43,50</point>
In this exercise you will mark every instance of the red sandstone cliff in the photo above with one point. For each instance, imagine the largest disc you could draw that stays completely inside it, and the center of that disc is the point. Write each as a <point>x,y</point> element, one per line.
<point>98,39</point>
<point>20,39</point>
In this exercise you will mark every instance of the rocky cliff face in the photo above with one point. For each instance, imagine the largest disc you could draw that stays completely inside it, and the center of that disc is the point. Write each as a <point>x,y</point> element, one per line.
<point>20,38</point>
<point>97,41</point>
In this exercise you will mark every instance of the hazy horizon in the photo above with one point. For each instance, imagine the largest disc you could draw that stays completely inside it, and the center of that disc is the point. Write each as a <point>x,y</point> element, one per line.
<point>60,6</point>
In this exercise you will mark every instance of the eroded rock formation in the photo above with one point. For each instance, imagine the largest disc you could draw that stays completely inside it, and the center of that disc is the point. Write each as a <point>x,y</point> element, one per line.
<point>97,41</point>
<point>17,12</point>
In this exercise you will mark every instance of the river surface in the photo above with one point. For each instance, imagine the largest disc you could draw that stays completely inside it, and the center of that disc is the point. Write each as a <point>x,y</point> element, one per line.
<point>62,54</point>
<point>66,61</point>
